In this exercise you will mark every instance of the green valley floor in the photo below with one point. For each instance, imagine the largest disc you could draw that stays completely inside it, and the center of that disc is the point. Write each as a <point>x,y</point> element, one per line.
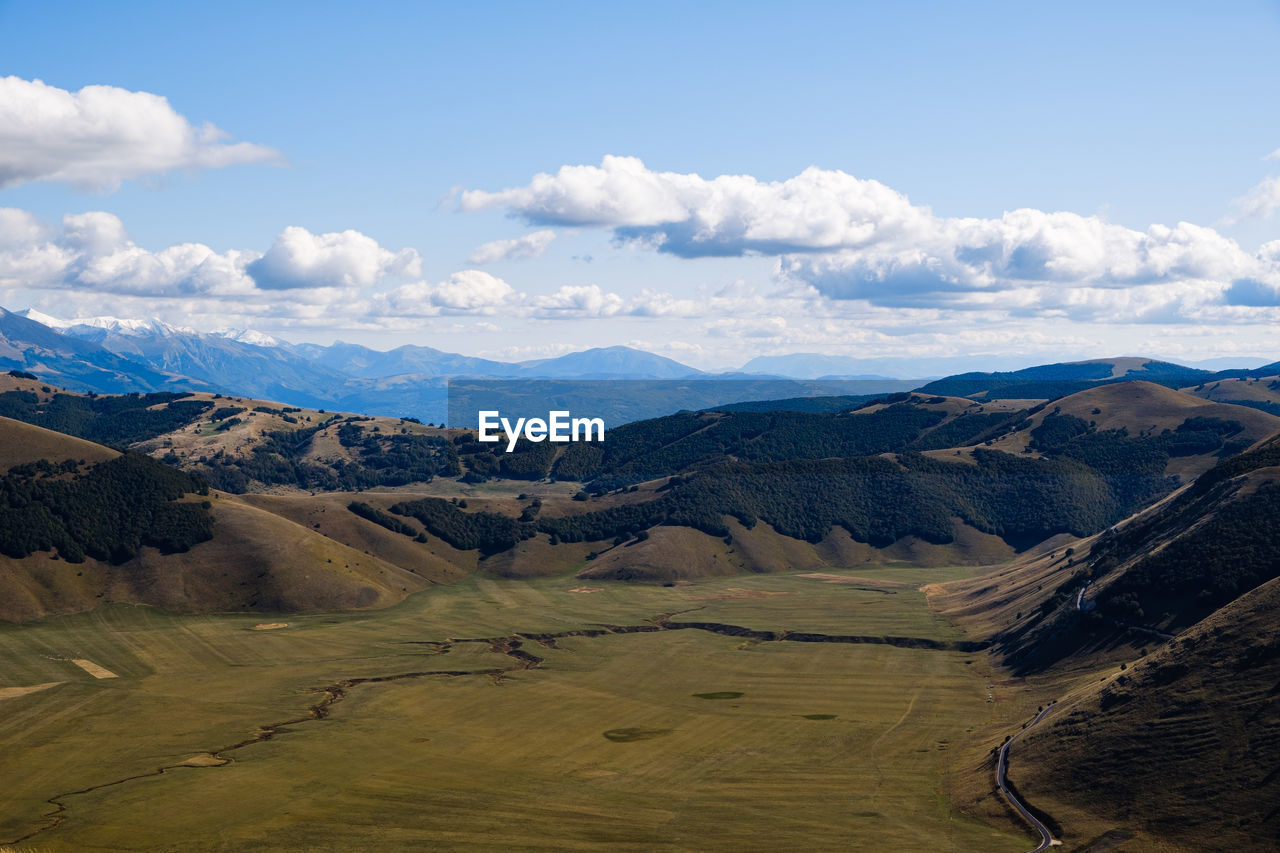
<point>829,712</point>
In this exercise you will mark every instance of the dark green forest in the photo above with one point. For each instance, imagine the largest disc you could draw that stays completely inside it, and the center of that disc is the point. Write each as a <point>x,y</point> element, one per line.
<point>1221,543</point>
<point>664,446</point>
<point>487,532</point>
<point>377,516</point>
<point>106,511</point>
<point>114,420</point>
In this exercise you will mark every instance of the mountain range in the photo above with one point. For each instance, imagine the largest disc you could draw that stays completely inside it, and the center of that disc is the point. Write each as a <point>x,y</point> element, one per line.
<point>112,355</point>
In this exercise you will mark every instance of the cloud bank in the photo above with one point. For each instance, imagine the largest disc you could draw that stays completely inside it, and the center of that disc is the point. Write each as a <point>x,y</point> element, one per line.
<point>848,238</point>
<point>93,253</point>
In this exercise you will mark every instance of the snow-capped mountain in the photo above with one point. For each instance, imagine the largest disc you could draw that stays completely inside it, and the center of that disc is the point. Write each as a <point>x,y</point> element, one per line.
<point>249,336</point>
<point>127,355</point>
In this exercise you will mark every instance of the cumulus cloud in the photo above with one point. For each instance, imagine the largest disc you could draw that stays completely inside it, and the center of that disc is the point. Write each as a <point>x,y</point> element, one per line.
<point>93,255</point>
<point>300,259</point>
<point>1031,260</point>
<point>465,292</point>
<point>99,136</point>
<point>690,216</point>
<point>527,246</point>
<point>853,239</point>
<point>574,301</point>
<point>92,251</point>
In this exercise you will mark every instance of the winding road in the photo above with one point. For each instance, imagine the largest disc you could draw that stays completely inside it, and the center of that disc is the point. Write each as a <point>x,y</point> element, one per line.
<point>1081,604</point>
<point>1002,767</point>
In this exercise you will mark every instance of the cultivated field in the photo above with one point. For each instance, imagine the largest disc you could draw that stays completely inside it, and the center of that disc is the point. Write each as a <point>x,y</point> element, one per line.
<point>455,721</point>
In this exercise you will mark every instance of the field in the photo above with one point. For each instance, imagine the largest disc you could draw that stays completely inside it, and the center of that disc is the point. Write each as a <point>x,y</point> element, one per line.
<point>455,721</point>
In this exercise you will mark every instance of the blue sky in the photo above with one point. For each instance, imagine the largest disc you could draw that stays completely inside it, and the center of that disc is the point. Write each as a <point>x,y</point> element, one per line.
<point>377,120</point>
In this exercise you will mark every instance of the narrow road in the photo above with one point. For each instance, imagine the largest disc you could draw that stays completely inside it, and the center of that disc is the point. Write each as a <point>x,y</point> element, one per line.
<point>1002,767</point>
<point>1081,604</point>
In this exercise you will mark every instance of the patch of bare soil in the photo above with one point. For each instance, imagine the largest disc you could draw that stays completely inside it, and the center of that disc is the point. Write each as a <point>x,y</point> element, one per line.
<point>93,669</point>
<point>830,578</point>
<point>15,692</point>
<point>737,592</point>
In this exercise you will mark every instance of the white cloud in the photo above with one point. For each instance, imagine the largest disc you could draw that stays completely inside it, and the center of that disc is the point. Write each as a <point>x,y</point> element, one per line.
<point>657,304</point>
<point>100,136</point>
<point>299,258</point>
<point>532,245</point>
<point>690,216</point>
<point>854,239</point>
<point>93,252</point>
<point>575,301</point>
<point>19,228</point>
<point>1029,260</point>
<point>93,233</point>
<point>464,292</point>
<point>93,256</point>
<point>1261,201</point>
<point>621,191</point>
<point>188,268</point>
<point>471,290</point>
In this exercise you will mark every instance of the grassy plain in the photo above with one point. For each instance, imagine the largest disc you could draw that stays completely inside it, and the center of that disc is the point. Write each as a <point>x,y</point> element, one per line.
<point>605,743</point>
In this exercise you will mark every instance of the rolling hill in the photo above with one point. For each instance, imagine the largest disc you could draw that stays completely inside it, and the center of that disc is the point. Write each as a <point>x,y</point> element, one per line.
<point>1166,569</point>
<point>1258,392</point>
<point>1181,746</point>
<point>1050,381</point>
<point>125,528</point>
<point>1159,637</point>
<point>909,467</point>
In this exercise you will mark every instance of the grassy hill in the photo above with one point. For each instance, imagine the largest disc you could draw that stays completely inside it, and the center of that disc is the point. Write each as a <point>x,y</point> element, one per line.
<point>119,528</point>
<point>1056,380</point>
<point>1258,392</point>
<point>1179,748</point>
<point>1159,636</point>
<point>25,443</point>
<point>910,476</point>
<point>1159,573</point>
<point>240,444</point>
<point>932,469</point>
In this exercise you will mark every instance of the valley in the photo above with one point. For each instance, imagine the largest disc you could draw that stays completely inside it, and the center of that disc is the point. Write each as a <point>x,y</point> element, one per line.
<point>521,714</point>
<point>804,625</point>
<point>524,428</point>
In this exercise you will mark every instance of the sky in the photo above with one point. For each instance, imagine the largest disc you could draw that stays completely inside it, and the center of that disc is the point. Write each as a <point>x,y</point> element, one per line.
<point>990,183</point>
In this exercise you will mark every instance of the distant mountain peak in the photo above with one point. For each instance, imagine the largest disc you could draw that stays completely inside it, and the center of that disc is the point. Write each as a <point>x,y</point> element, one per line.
<point>41,318</point>
<point>248,336</point>
<point>114,325</point>
<point>611,362</point>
